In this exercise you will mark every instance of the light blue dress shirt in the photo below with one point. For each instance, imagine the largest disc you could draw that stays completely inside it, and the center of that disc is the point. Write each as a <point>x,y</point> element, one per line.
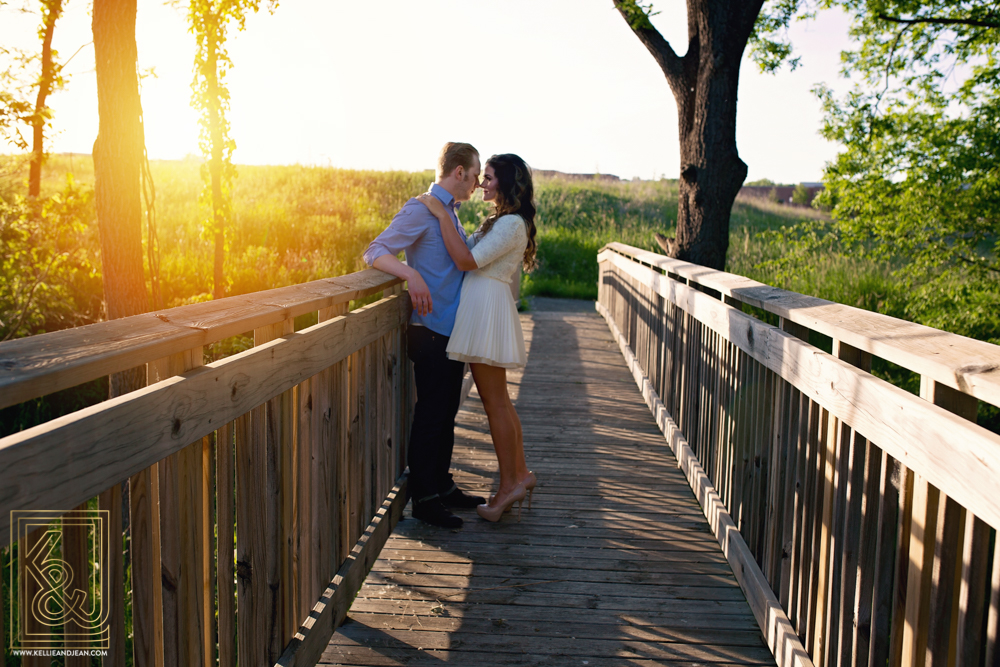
<point>417,232</point>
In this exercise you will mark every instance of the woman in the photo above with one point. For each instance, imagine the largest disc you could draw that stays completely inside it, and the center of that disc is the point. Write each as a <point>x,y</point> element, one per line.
<point>487,331</point>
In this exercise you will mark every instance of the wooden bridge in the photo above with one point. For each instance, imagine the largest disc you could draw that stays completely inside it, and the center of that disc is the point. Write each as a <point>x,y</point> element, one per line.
<point>714,489</point>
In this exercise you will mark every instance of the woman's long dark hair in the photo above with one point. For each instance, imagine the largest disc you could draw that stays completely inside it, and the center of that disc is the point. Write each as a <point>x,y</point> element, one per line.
<point>515,194</point>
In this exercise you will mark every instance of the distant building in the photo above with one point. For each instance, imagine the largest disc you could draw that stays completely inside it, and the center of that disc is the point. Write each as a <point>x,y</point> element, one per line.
<point>783,193</point>
<point>548,173</point>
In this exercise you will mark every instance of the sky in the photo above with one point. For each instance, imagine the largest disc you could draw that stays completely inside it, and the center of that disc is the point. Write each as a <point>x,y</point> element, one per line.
<point>363,85</point>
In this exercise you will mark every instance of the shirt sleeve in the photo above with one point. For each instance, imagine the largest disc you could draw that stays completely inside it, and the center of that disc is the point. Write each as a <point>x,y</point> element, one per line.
<point>501,239</point>
<point>405,229</point>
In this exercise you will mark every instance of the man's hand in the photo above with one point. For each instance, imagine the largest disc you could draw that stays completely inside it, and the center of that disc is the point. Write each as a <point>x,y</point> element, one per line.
<point>420,296</point>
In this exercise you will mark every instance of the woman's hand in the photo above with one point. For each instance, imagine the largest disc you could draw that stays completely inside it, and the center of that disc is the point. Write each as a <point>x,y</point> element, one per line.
<point>435,206</point>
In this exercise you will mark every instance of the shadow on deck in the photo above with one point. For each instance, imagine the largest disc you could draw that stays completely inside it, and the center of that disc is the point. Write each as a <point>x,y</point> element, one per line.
<point>614,564</point>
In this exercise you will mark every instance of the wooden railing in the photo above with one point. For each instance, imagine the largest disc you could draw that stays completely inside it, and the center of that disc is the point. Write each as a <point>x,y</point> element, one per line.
<point>861,520</point>
<point>290,453</point>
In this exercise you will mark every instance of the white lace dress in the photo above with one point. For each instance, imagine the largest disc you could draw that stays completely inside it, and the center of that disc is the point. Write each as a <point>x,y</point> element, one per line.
<point>487,327</point>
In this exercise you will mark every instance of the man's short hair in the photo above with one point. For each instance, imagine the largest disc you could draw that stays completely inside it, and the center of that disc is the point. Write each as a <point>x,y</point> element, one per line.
<point>456,154</point>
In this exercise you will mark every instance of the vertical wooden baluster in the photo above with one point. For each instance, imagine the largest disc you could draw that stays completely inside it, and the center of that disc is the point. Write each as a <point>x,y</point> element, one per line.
<point>973,600</point>
<point>782,461</point>
<point>147,593</point>
<point>225,481</point>
<point>344,461</point>
<point>191,580</point>
<point>891,494</point>
<point>801,471</point>
<point>836,436</point>
<point>276,430</point>
<point>386,372</point>
<point>923,528</point>
<point>867,563</point>
<point>992,650</point>
<point>843,500</point>
<point>305,464</point>
<point>734,480</point>
<point>901,573</point>
<point>113,577</point>
<point>790,493</point>
<point>371,417</point>
<point>256,600</point>
<point>181,536</point>
<point>208,534</point>
<point>356,450</point>
<point>763,464</point>
<point>322,454</point>
<point>32,629</point>
<point>76,555</point>
<point>816,529</point>
<point>847,515</point>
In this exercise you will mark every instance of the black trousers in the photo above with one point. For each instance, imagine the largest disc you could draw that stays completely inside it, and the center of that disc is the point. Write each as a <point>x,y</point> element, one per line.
<point>439,390</point>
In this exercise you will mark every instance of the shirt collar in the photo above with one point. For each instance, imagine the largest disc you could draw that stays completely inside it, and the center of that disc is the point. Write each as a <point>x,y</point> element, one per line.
<point>444,196</point>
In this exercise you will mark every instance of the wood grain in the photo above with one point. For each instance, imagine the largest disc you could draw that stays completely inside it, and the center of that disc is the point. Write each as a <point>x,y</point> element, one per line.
<point>615,547</point>
<point>65,461</point>
<point>907,427</point>
<point>39,365</point>
<point>961,363</point>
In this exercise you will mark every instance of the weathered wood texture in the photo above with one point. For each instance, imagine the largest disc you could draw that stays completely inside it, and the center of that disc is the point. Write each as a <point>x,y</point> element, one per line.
<point>235,468</point>
<point>868,513</point>
<point>39,365</point>
<point>965,364</point>
<point>613,564</point>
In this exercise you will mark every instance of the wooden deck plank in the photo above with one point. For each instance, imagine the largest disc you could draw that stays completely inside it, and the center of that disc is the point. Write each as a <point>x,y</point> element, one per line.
<point>615,562</point>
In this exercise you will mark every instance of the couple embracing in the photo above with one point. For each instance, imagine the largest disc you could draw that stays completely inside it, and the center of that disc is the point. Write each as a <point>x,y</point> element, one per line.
<point>463,312</point>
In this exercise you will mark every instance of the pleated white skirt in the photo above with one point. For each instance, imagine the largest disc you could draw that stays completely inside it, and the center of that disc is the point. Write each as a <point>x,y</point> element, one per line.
<point>487,326</point>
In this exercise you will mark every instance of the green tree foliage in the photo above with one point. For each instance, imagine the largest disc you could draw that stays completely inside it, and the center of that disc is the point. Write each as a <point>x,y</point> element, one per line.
<point>918,183</point>
<point>210,21</point>
<point>28,75</point>
<point>49,262</point>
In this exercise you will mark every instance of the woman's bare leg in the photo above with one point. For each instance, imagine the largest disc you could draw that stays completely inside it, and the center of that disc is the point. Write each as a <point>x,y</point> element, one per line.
<point>520,466</point>
<point>505,427</point>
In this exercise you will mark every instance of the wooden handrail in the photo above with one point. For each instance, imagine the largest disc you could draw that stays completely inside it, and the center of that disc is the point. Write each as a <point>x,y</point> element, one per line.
<point>965,364</point>
<point>860,520</point>
<point>63,462</point>
<point>40,365</point>
<point>294,449</point>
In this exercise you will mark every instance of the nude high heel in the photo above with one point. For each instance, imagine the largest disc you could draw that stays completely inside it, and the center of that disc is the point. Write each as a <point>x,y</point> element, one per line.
<point>494,512</point>
<point>528,483</point>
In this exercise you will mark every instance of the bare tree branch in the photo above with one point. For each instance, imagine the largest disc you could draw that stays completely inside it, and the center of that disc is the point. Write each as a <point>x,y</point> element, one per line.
<point>664,54</point>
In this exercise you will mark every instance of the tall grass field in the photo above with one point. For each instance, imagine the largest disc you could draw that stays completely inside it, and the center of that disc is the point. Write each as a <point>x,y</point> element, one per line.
<point>293,224</point>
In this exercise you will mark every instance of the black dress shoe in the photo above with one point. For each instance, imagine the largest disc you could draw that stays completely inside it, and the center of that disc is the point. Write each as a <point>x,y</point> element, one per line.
<point>435,513</point>
<point>459,499</point>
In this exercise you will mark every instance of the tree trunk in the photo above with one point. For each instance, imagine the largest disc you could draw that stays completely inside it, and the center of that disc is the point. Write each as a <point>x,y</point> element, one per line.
<point>117,158</point>
<point>45,85</point>
<point>704,83</point>
<point>215,163</point>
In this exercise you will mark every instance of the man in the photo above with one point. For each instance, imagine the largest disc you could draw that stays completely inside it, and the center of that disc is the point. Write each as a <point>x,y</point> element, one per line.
<point>435,284</point>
